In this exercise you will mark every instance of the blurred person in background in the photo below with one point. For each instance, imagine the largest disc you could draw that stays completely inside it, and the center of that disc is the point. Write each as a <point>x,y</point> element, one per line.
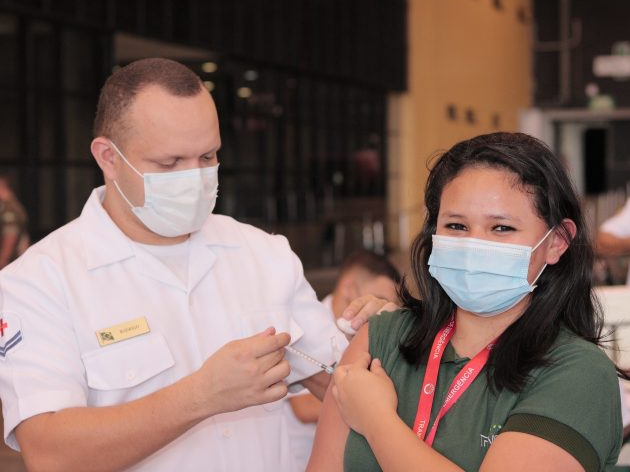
<point>613,237</point>
<point>363,275</point>
<point>13,221</point>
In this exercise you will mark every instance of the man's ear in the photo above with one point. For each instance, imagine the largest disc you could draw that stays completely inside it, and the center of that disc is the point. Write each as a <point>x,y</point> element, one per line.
<point>559,243</point>
<point>105,156</point>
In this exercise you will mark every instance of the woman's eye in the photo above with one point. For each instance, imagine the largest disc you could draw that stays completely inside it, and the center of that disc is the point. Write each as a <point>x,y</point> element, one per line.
<point>502,228</point>
<point>456,226</point>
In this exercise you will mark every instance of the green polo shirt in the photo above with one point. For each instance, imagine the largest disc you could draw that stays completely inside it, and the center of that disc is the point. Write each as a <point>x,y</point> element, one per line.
<point>573,402</point>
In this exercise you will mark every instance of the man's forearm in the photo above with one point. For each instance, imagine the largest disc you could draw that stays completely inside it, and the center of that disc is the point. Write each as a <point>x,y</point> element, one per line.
<point>242,373</point>
<point>108,438</point>
<point>317,384</point>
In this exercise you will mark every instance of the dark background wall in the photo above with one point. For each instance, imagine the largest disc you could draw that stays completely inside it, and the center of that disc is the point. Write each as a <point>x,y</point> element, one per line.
<point>603,22</point>
<point>304,152</point>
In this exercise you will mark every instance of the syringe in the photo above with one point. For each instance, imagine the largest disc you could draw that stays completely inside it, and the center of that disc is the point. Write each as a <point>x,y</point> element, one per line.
<point>303,355</point>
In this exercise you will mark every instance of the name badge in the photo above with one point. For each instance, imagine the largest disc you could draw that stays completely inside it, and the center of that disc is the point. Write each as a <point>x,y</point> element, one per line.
<point>122,331</point>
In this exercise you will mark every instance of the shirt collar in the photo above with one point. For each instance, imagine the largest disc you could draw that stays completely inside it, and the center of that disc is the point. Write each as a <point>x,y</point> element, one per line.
<point>104,243</point>
<point>450,356</point>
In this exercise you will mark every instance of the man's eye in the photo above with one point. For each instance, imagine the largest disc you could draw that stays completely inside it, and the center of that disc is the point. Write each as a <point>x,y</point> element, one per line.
<point>169,164</point>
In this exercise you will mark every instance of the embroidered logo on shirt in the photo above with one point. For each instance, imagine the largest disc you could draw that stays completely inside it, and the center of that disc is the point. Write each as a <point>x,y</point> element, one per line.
<point>10,333</point>
<point>486,441</point>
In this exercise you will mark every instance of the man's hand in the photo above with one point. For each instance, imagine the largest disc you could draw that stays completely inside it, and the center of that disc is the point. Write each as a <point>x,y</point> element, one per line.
<point>243,373</point>
<point>361,309</point>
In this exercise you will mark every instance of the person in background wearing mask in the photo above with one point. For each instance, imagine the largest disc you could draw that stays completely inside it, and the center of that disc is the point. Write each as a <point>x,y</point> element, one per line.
<point>149,334</point>
<point>495,363</point>
<point>363,275</point>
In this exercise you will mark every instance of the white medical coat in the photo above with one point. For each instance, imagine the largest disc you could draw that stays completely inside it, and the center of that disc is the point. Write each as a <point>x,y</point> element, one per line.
<point>88,275</point>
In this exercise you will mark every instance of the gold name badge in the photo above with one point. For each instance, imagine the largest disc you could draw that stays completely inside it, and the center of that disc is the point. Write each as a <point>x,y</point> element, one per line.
<point>123,331</point>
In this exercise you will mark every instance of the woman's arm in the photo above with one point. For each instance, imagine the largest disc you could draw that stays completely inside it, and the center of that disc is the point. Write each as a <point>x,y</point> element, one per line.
<point>389,437</point>
<point>332,431</point>
<point>366,400</point>
<point>524,452</point>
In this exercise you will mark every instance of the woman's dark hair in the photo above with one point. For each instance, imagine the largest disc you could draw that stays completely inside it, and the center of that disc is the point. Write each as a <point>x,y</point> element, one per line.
<point>563,296</point>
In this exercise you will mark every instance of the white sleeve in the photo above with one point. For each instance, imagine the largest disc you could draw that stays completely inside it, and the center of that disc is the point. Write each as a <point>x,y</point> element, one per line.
<point>40,363</point>
<point>313,330</point>
<point>619,224</point>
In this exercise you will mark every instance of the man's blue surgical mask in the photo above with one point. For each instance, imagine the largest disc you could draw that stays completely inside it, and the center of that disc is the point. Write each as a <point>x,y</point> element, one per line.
<point>175,203</point>
<point>483,277</point>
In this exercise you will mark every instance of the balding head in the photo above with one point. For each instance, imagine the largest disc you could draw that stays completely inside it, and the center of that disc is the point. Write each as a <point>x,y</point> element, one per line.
<point>123,86</point>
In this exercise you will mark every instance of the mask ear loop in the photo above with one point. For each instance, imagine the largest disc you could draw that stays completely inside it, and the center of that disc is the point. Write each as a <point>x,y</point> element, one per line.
<point>533,286</point>
<point>124,158</point>
<point>543,239</point>
<point>132,167</point>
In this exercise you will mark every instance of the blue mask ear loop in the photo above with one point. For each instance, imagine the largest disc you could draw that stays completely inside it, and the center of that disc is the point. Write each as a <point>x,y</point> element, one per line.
<point>545,265</point>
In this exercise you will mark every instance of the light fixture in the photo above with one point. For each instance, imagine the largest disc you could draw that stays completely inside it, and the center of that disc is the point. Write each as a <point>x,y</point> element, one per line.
<point>251,75</point>
<point>244,92</point>
<point>209,67</point>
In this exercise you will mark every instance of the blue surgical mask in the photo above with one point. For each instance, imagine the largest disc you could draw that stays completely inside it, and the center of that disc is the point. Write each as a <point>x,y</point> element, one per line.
<point>483,277</point>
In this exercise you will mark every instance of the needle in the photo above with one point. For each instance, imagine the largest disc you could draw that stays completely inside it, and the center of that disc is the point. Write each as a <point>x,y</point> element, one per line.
<point>323,366</point>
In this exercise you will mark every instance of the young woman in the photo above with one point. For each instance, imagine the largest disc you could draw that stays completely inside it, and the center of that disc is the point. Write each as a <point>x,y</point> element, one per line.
<point>496,366</point>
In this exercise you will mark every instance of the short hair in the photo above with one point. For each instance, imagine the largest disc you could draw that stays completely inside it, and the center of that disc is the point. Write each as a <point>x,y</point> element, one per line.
<point>373,263</point>
<point>122,87</point>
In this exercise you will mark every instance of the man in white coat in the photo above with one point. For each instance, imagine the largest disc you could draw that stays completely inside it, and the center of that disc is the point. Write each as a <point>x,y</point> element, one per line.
<point>149,334</point>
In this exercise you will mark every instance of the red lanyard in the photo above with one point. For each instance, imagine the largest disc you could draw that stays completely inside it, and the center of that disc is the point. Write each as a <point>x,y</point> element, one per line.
<point>459,385</point>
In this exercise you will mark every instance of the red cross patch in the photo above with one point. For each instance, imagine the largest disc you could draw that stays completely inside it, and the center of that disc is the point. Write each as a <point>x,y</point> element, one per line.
<point>10,333</point>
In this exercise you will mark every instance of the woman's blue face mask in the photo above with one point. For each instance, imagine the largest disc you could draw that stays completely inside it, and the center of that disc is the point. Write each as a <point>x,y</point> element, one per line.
<point>483,277</point>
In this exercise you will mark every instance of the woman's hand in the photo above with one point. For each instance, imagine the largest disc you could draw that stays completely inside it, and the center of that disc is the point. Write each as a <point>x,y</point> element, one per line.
<point>364,396</point>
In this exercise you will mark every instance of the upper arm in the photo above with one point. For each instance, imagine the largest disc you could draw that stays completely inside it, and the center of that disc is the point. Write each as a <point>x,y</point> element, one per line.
<point>572,406</point>
<point>332,431</point>
<point>41,370</point>
<point>28,432</point>
<point>525,452</point>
